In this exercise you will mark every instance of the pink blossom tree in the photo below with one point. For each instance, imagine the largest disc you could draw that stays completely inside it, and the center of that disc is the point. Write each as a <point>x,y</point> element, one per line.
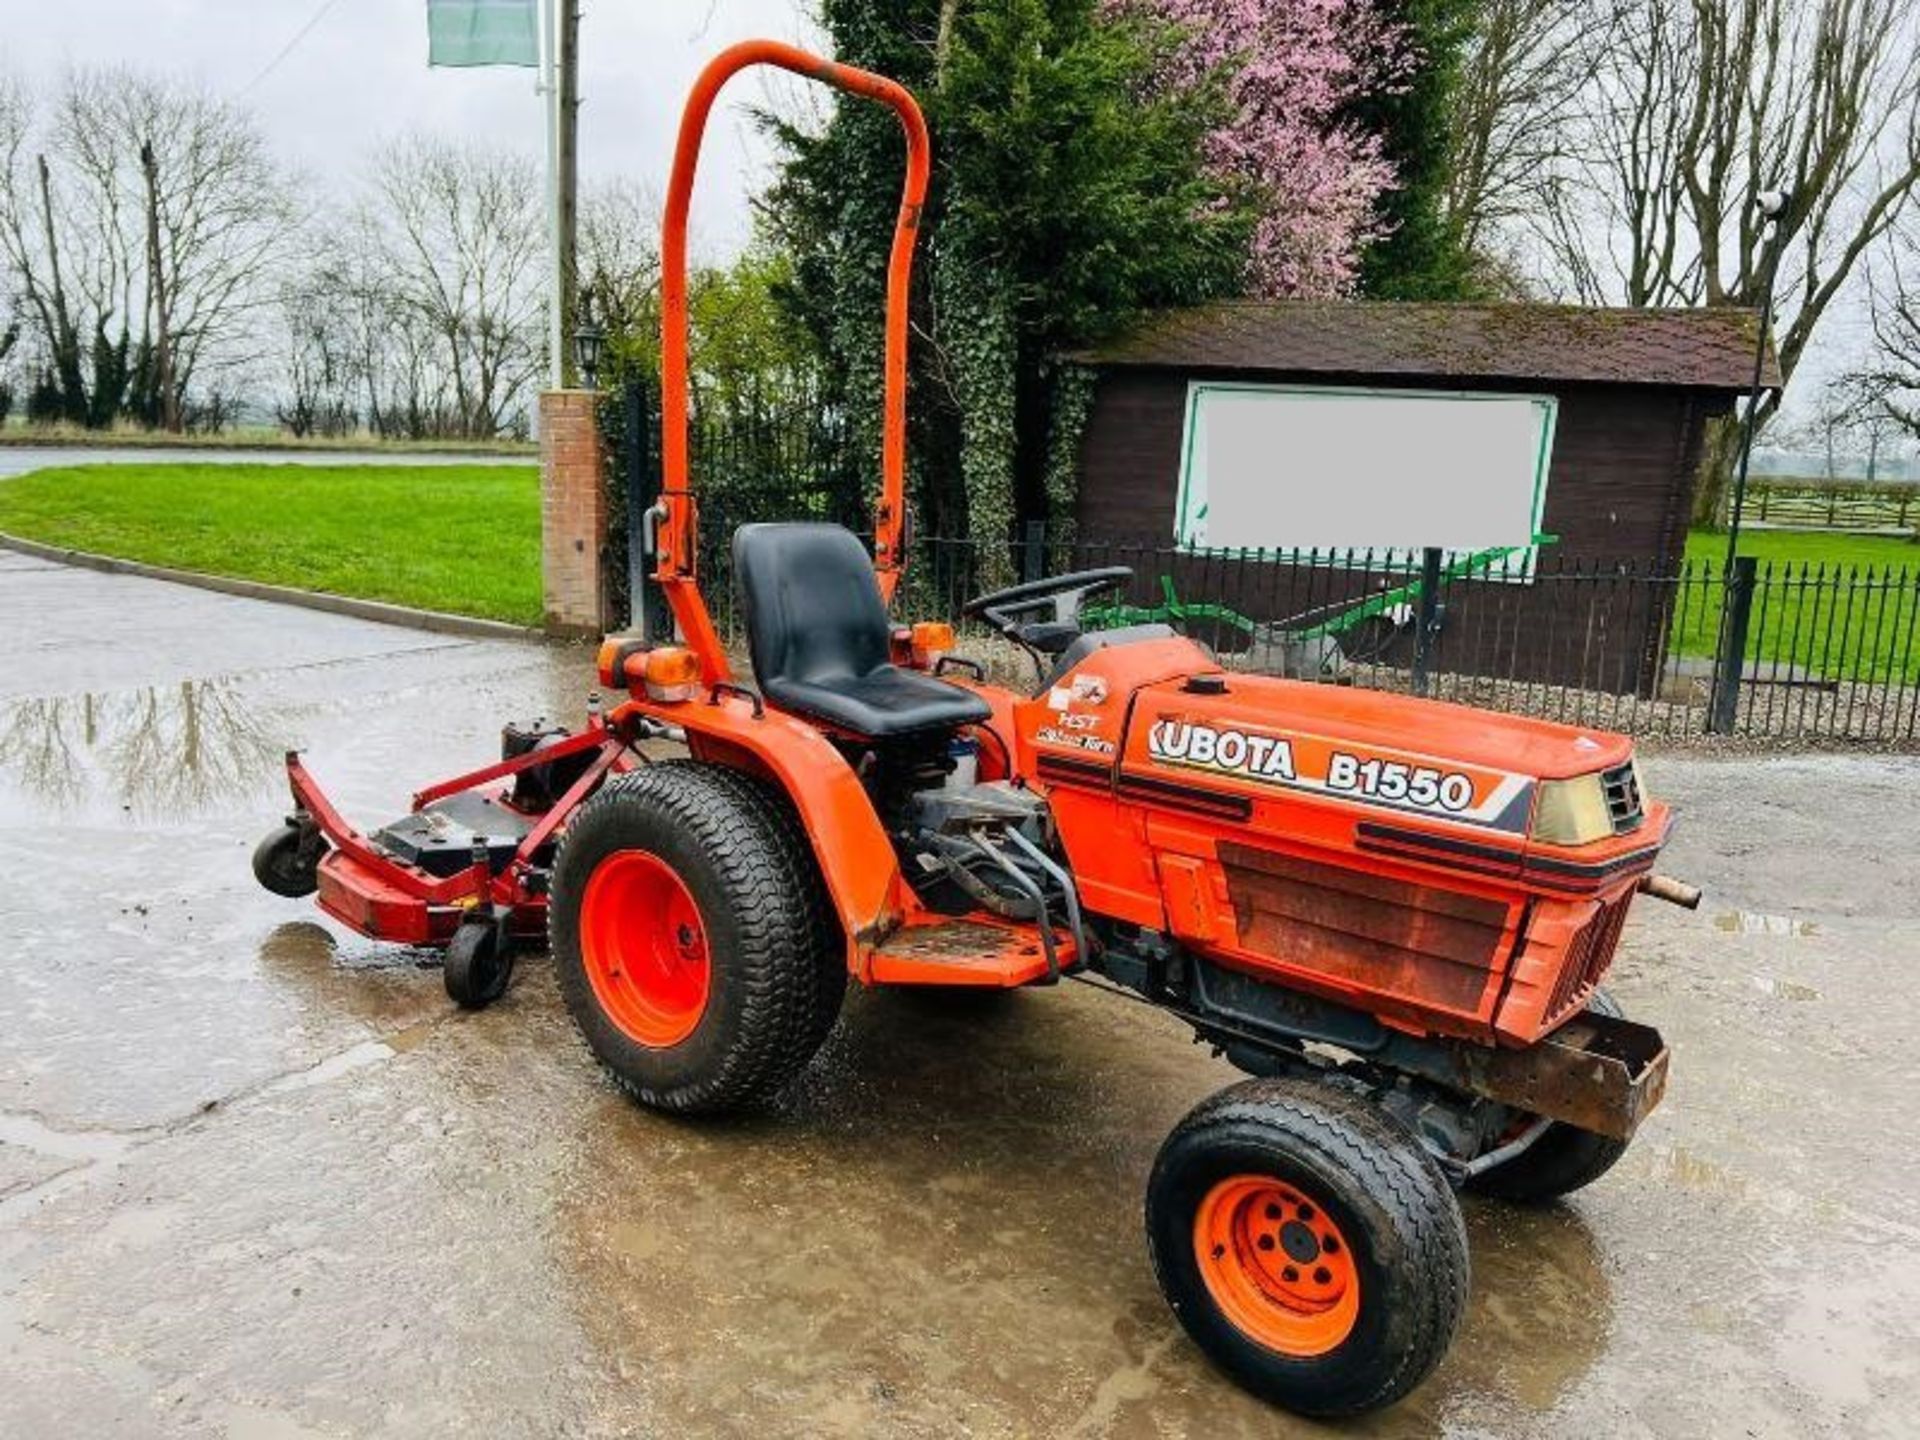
<point>1290,69</point>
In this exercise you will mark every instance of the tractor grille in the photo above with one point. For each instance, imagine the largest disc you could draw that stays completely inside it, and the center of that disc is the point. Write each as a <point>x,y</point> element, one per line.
<point>1587,960</point>
<point>1623,797</point>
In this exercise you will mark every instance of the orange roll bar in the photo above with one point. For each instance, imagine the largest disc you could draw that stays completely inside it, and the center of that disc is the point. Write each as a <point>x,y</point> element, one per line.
<point>678,516</point>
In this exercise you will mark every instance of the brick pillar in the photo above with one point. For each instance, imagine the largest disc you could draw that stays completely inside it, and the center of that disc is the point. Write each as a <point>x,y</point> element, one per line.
<point>573,513</point>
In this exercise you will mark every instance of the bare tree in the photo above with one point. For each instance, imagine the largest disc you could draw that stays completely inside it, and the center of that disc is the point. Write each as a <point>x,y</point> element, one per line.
<point>459,231</point>
<point>30,231</point>
<point>144,201</point>
<point>1894,376</point>
<point>1525,75</point>
<point>619,256</point>
<point>1700,106</point>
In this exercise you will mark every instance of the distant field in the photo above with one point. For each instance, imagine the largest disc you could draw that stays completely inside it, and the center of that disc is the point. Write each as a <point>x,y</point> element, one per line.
<point>459,538</point>
<point>1804,547</point>
<point>1844,607</point>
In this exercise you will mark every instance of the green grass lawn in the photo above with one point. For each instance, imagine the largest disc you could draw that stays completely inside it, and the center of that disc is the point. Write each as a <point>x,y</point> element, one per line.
<point>1844,607</point>
<point>1804,547</point>
<point>466,539</point>
<point>461,538</point>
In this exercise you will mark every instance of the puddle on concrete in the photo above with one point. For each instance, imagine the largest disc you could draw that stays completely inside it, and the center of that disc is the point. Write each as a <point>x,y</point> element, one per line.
<point>367,1052</point>
<point>163,751</point>
<point>1691,1172</point>
<point>1784,989</point>
<point>88,1145</point>
<point>1749,922</point>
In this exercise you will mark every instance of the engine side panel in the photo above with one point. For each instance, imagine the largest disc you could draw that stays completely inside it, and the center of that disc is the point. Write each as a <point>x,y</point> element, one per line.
<point>1284,837</point>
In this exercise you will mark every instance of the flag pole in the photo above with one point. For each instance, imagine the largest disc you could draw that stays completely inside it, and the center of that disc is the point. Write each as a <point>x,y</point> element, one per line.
<point>549,88</point>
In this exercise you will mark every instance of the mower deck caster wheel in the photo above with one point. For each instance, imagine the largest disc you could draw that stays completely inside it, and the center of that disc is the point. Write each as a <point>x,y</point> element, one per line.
<point>287,860</point>
<point>1308,1244</point>
<point>479,964</point>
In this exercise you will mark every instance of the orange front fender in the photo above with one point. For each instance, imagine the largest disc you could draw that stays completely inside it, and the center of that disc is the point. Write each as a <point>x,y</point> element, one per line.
<point>850,845</point>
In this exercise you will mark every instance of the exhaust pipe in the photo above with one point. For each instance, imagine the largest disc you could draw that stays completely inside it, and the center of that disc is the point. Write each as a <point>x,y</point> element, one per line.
<point>1674,892</point>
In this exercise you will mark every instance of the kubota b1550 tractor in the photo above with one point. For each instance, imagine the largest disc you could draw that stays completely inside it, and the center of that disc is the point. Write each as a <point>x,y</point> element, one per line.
<point>1395,914</point>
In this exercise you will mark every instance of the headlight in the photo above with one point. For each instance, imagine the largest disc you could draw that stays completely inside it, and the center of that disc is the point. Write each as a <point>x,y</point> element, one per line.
<point>1572,812</point>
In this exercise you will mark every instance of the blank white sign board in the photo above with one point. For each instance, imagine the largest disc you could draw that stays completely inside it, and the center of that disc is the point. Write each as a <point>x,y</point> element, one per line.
<point>1291,469</point>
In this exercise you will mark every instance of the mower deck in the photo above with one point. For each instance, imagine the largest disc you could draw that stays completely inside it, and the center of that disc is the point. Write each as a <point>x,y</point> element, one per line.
<point>443,837</point>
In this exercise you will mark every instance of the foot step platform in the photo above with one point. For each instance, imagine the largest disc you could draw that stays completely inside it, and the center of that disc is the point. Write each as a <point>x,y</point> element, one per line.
<point>940,951</point>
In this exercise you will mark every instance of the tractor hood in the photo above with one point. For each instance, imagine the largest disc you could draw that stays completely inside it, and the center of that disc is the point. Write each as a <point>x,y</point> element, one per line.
<point>1427,757</point>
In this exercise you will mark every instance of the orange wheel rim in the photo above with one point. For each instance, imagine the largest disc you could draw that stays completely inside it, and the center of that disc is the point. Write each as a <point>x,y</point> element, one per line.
<point>644,948</point>
<point>1276,1264</point>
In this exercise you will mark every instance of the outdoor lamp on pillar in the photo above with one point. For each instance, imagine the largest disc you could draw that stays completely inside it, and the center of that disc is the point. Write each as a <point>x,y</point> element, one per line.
<point>587,340</point>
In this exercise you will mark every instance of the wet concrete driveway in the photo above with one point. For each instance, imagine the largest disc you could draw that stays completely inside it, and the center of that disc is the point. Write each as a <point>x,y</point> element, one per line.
<point>257,1178</point>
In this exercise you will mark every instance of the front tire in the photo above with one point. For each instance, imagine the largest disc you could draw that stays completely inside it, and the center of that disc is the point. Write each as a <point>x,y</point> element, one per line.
<point>686,938</point>
<point>1564,1159</point>
<point>1308,1245</point>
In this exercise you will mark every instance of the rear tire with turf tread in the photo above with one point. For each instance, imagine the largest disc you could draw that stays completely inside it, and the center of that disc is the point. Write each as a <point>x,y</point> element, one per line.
<point>1405,1243</point>
<point>1564,1159</point>
<point>828,944</point>
<point>759,1024</point>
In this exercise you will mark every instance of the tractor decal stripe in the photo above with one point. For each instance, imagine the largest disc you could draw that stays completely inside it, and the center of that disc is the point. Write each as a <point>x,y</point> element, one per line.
<point>1375,836</point>
<point>1189,797</point>
<point>1574,875</point>
<point>1401,781</point>
<point>1061,770</point>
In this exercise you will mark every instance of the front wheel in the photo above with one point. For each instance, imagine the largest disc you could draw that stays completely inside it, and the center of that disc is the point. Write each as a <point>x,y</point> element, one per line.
<point>479,964</point>
<point>1308,1245</point>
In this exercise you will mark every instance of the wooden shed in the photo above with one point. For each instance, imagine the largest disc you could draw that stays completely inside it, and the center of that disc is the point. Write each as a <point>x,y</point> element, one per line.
<point>1621,400</point>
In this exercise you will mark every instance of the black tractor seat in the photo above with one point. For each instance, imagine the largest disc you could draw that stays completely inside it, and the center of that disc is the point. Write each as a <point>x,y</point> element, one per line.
<point>819,636</point>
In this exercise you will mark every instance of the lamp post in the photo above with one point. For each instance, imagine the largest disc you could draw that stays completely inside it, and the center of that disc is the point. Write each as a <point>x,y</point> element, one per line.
<point>587,340</point>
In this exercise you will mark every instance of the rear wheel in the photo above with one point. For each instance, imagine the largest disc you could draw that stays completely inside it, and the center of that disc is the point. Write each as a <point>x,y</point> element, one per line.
<point>686,939</point>
<point>1308,1244</point>
<point>828,942</point>
<point>1564,1158</point>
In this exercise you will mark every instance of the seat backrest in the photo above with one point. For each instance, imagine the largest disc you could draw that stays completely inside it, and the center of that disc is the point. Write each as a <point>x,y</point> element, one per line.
<point>812,605</point>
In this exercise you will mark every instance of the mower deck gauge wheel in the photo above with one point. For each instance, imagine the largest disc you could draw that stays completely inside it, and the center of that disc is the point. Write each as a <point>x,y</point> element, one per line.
<point>479,964</point>
<point>287,860</point>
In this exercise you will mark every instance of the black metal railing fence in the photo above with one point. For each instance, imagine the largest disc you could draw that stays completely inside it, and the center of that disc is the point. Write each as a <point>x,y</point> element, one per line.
<point>1792,651</point>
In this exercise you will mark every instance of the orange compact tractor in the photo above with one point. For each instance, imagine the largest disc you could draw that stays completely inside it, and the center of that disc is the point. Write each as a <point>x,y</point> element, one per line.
<point>1395,914</point>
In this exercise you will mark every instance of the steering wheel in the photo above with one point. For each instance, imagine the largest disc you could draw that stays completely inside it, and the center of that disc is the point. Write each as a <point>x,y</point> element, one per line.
<point>1044,615</point>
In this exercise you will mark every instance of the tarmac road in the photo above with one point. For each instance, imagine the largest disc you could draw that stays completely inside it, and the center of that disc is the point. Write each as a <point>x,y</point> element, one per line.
<point>258,1178</point>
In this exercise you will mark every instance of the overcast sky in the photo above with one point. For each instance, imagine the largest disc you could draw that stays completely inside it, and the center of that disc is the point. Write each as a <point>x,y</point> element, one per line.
<point>360,74</point>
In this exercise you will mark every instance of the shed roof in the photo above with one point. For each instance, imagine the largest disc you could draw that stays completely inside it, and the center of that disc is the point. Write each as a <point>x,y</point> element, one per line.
<point>1691,349</point>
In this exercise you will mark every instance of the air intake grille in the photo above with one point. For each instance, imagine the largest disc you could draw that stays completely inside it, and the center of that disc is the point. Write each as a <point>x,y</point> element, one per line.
<point>1587,960</point>
<point>1623,796</point>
